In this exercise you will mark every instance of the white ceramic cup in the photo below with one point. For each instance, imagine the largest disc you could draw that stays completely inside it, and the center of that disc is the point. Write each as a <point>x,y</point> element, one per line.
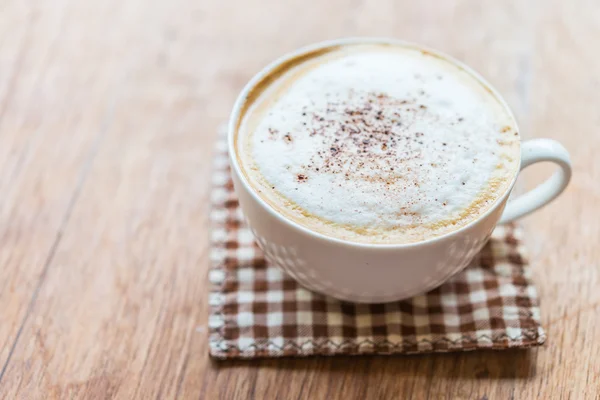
<point>377,273</point>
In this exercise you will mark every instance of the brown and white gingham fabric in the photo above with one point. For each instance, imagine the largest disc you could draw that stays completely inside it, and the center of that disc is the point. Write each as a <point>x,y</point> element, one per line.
<point>258,311</point>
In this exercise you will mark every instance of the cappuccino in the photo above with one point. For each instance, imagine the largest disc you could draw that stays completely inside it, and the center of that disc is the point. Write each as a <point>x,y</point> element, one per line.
<point>377,143</point>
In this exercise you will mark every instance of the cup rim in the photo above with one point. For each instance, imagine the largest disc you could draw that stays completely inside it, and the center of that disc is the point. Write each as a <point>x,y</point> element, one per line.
<point>264,72</point>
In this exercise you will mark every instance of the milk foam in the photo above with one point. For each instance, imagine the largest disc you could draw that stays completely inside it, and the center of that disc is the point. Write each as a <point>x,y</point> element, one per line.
<point>379,144</point>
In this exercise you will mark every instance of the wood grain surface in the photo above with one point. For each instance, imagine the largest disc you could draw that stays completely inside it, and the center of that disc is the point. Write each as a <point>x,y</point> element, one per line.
<point>108,112</point>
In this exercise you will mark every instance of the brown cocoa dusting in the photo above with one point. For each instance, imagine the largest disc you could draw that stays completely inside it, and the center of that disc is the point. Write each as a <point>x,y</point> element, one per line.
<point>301,178</point>
<point>365,136</point>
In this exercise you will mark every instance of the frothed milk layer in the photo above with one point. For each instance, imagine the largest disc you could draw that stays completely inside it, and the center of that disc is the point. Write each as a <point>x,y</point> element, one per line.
<point>377,144</point>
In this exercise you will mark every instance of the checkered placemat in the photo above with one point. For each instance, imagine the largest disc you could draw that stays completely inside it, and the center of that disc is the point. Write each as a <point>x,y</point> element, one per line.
<point>258,311</point>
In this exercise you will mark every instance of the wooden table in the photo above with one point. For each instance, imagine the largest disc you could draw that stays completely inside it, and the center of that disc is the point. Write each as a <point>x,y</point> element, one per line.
<point>108,112</point>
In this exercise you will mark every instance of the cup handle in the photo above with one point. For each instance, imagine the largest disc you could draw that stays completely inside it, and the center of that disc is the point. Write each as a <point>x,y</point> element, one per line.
<point>533,151</point>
